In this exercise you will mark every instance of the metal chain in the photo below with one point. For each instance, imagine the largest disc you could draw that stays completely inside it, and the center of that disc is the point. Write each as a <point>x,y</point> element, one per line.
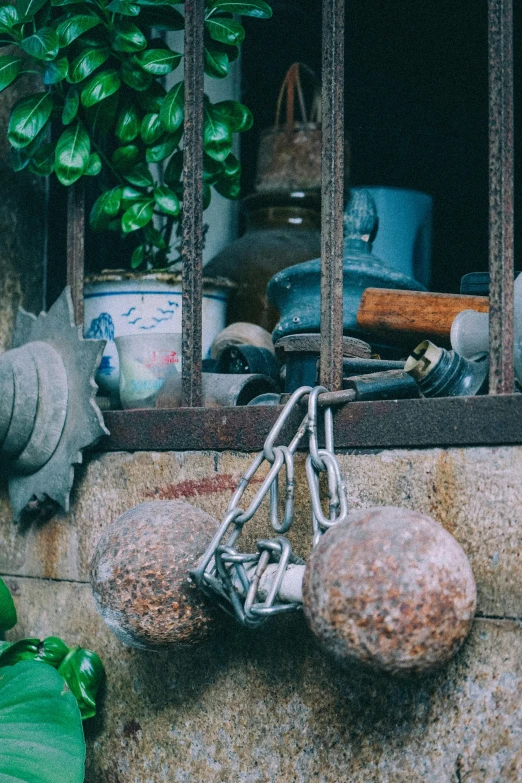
<point>233,577</point>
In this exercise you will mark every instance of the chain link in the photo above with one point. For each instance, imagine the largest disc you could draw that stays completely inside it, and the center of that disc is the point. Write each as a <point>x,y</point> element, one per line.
<point>232,577</point>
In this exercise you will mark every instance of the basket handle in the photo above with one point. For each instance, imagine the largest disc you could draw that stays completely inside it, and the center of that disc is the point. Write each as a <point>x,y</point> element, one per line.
<point>290,86</point>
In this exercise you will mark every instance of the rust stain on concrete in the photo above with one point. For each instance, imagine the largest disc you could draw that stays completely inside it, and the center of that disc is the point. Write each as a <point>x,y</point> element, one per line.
<point>443,493</point>
<point>189,488</point>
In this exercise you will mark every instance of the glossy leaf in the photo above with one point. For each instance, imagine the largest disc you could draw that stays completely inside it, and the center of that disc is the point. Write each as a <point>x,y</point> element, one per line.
<point>72,154</point>
<point>87,62</point>
<point>225,30</point>
<point>56,71</point>
<point>151,128</point>
<point>8,17</point>
<point>256,8</point>
<point>139,176</point>
<point>99,87</point>
<point>135,77</point>
<point>41,734</point>
<point>174,169</point>
<point>159,62</point>
<point>137,216</point>
<point>236,115</point>
<point>7,608</point>
<point>155,237</point>
<point>124,158</point>
<point>70,29</point>
<point>22,650</point>
<point>52,650</point>
<point>42,162</point>
<point>229,188</point>
<point>166,200</point>
<point>83,672</point>
<point>123,7</point>
<point>128,124</point>
<point>28,117</point>
<point>137,257</point>
<point>162,150</point>
<point>105,208</point>
<point>10,67</point>
<point>71,106</point>
<point>19,159</point>
<point>94,166</point>
<point>172,111</point>
<point>217,136</point>
<point>216,64</point>
<point>127,37</point>
<point>207,196</point>
<point>28,8</point>
<point>163,17</point>
<point>43,44</point>
<point>102,115</point>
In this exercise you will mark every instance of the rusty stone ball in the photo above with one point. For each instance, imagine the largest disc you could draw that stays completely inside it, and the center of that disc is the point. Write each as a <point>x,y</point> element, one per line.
<point>389,588</point>
<point>140,575</point>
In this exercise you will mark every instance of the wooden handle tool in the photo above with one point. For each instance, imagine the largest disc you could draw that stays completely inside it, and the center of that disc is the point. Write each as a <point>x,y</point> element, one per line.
<point>401,315</point>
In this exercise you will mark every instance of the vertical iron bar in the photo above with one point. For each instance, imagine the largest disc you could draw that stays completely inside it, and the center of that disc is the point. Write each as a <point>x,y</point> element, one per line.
<point>192,225</point>
<point>332,194</point>
<point>76,246</point>
<point>501,196</point>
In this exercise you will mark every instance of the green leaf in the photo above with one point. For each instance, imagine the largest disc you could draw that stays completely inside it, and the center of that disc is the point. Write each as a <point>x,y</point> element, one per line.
<point>8,17</point>
<point>123,7</point>
<point>236,115</point>
<point>72,154</point>
<point>83,672</point>
<point>256,8</point>
<point>86,63</point>
<point>137,216</point>
<point>28,117</point>
<point>94,166</point>
<point>71,106</point>
<point>162,150</point>
<point>128,123</point>
<point>225,30</point>
<point>124,158</point>
<point>151,128</point>
<point>217,136</point>
<point>28,8</point>
<point>52,651</point>
<point>162,18</point>
<point>232,167</point>
<point>22,650</point>
<point>152,100</point>
<point>127,37</point>
<point>135,77</point>
<point>41,734</point>
<point>155,237</point>
<point>105,208</point>
<point>159,62</point>
<point>19,159</point>
<point>207,196</point>
<point>72,28</point>
<point>57,71</point>
<point>172,111</point>
<point>138,257</point>
<point>174,169</point>
<point>216,64</point>
<point>43,44</point>
<point>10,67</point>
<point>139,176</point>
<point>7,608</point>
<point>166,200</point>
<point>99,87</point>
<point>42,162</point>
<point>101,116</point>
<point>229,188</point>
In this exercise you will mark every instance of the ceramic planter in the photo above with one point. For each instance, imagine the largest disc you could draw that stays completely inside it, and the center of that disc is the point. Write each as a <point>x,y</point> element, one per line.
<point>121,304</point>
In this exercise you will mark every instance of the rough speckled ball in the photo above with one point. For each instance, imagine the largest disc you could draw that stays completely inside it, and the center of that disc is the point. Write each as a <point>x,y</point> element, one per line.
<point>390,588</point>
<point>140,575</point>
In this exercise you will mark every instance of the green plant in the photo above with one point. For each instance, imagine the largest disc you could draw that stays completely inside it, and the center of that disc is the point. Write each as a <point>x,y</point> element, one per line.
<point>102,71</point>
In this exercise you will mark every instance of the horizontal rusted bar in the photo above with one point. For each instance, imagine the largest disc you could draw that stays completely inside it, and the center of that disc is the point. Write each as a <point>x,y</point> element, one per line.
<point>452,421</point>
<point>501,196</point>
<point>192,223</point>
<point>332,193</point>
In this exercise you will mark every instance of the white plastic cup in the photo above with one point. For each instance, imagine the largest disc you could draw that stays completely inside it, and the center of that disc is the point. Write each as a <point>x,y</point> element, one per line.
<point>145,361</point>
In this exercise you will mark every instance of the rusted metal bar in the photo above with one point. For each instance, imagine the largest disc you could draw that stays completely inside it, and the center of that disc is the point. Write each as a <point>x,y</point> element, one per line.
<point>419,423</point>
<point>76,246</point>
<point>332,194</point>
<point>501,196</point>
<point>192,225</point>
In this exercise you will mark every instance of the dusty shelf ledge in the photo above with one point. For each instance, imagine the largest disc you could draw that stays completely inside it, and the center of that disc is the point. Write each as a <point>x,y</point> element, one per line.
<point>451,421</point>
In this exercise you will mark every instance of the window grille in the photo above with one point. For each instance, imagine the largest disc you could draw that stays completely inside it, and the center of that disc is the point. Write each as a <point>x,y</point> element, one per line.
<point>493,419</point>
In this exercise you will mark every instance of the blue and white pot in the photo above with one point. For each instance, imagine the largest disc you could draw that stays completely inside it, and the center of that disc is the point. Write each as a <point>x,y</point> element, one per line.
<point>123,303</point>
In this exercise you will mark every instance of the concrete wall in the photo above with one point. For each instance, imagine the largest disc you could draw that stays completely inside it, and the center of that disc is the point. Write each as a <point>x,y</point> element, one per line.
<point>268,705</point>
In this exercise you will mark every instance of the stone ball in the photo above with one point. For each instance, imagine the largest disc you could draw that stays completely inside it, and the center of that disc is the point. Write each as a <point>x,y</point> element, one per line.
<point>389,588</point>
<point>140,575</point>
